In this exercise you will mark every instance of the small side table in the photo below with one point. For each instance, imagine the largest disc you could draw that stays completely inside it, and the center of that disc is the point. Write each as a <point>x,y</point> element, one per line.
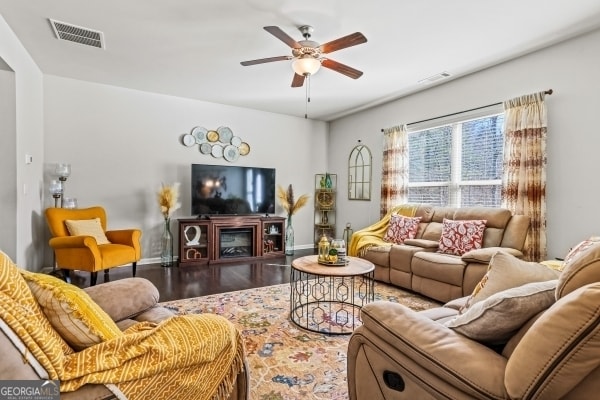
<point>328,299</point>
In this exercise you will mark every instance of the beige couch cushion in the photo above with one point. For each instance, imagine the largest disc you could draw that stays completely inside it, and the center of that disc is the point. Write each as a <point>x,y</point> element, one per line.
<point>379,255</point>
<point>506,271</point>
<point>424,243</point>
<point>440,314</point>
<point>581,266</point>
<point>124,298</point>
<point>438,267</point>
<point>495,319</point>
<point>484,256</point>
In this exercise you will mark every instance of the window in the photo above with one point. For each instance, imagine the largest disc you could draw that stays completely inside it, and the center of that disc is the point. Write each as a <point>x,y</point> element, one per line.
<point>457,164</point>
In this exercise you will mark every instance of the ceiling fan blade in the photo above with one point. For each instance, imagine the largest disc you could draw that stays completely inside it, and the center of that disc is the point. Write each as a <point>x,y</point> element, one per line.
<point>265,60</point>
<point>281,35</point>
<point>341,68</point>
<point>343,42</point>
<point>298,80</point>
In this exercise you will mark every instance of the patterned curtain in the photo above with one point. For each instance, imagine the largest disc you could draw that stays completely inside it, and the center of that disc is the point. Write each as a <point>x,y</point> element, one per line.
<point>524,176</point>
<point>394,174</point>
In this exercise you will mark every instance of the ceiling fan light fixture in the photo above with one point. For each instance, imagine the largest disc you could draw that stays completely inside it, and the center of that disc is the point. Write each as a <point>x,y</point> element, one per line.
<point>306,65</point>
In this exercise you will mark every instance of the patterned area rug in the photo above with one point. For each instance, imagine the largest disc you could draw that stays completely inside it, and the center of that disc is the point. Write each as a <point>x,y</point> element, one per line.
<point>287,362</point>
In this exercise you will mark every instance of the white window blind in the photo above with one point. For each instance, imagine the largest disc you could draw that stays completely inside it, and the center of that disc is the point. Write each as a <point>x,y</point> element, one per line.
<point>458,162</point>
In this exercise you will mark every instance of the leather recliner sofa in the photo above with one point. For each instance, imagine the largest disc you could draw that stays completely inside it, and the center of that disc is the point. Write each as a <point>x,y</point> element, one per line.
<point>401,354</point>
<point>418,266</point>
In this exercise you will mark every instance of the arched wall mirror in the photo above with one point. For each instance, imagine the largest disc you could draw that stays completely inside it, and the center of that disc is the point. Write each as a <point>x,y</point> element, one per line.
<point>359,173</point>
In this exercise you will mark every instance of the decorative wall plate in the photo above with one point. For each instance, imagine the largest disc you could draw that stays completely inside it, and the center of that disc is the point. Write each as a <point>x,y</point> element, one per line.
<point>212,136</point>
<point>231,153</point>
<point>188,140</point>
<point>236,141</point>
<point>244,148</point>
<point>217,150</point>
<point>200,134</point>
<point>225,134</point>
<point>218,142</point>
<point>205,148</point>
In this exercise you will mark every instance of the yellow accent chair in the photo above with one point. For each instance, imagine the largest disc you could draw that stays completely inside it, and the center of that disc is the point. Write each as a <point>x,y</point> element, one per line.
<point>83,252</point>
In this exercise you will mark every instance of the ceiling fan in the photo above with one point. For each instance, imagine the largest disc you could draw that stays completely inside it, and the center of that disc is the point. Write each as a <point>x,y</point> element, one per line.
<point>308,56</point>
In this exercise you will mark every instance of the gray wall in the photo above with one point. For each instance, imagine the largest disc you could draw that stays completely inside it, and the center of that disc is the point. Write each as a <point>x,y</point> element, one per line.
<point>569,68</point>
<point>8,161</point>
<point>25,136</point>
<point>122,144</point>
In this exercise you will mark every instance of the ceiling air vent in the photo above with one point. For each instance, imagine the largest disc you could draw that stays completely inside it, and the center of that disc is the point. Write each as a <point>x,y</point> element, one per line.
<point>78,34</point>
<point>436,77</point>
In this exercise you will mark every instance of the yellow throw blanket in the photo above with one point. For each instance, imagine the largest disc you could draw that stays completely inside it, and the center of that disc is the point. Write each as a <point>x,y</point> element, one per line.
<point>183,357</point>
<point>373,235</point>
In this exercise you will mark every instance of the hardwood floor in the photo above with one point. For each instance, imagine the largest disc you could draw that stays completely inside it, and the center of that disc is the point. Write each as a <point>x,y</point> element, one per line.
<point>175,283</point>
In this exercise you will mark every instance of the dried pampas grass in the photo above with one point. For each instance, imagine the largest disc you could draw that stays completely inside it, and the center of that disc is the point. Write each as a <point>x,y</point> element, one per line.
<point>168,197</point>
<point>286,200</point>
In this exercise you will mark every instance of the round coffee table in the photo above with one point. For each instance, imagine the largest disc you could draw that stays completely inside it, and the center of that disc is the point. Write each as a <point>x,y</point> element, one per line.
<point>327,299</point>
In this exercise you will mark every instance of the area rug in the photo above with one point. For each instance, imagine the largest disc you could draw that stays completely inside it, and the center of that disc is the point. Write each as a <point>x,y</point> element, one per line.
<point>286,362</point>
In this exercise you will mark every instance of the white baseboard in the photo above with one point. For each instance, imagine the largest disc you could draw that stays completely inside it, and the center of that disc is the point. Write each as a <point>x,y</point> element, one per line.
<point>156,260</point>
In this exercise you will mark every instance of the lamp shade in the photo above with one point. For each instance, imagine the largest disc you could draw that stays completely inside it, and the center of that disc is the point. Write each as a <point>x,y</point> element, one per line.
<point>306,65</point>
<point>70,202</point>
<point>63,170</point>
<point>55,188</point>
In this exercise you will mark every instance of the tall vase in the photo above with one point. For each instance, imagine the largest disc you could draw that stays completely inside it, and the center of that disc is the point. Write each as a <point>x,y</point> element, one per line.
<point>289,238</point>
<point>166,242</point>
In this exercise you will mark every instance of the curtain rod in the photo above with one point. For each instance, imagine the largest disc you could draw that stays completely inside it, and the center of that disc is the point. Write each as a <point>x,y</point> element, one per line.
<point>548,92</point>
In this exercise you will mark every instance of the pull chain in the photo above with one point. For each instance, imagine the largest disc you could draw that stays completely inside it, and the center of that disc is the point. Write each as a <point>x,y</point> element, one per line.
<point>307,95</point>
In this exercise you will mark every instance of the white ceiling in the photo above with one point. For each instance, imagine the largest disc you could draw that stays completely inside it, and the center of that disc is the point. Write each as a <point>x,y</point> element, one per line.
<point>193,48</point>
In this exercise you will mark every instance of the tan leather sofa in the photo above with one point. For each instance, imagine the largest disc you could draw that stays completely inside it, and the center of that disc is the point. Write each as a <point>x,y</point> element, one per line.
<point>127,301</point>
<point>401,354</point>
<point>416,265</point>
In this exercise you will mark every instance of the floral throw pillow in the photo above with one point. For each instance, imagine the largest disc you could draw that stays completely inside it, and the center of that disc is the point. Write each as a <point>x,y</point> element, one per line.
<point>401,228</point>
<point>581,267</point>
<point>461,236</point>
<point>581,248</point>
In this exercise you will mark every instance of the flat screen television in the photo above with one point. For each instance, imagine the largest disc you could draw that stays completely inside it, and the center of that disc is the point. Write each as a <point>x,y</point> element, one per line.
<point>232,190</point>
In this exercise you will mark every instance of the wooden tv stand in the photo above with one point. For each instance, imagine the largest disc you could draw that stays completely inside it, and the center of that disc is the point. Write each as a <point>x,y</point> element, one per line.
<point>226,238</point>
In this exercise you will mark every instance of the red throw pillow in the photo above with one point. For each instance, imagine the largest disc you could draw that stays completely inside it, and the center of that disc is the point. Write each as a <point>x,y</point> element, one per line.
<point>401,228</point>
<point>461,236</point>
